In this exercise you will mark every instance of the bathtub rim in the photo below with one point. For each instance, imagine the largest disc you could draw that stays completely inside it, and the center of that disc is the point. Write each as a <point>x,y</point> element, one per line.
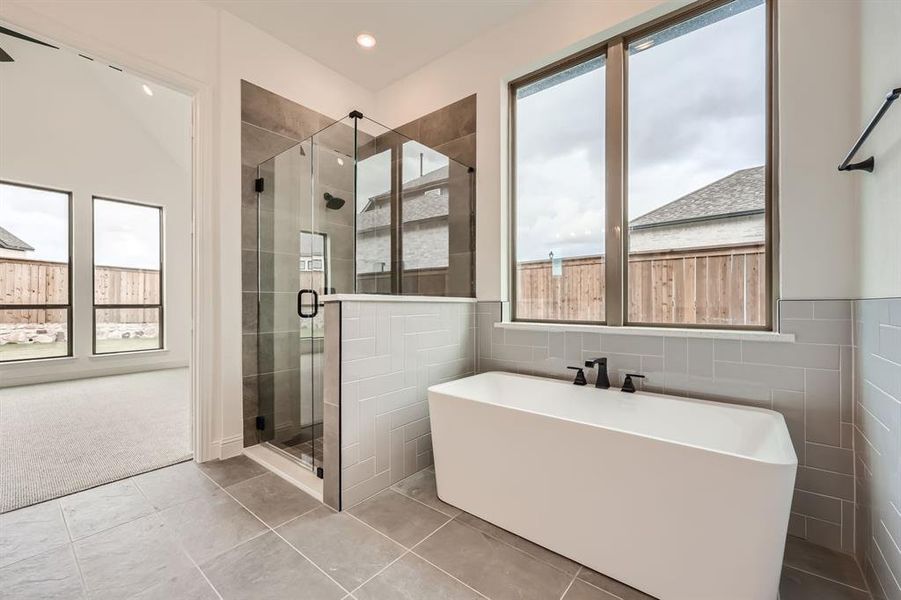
<point>789,446</point>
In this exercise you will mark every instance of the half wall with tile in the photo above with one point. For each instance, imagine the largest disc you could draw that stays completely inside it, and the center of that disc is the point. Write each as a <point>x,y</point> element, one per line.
<point>390,352</point>
<point>877,443</point>
<point>809,381</point>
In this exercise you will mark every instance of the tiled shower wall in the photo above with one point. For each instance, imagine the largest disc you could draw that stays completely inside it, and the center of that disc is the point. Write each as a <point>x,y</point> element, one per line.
<point>808,381</point>
<point>391,352</point>
<point>877,418</point>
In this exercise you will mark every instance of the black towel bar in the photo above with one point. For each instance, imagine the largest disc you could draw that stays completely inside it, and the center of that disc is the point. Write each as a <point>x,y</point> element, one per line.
<point>867,165</point>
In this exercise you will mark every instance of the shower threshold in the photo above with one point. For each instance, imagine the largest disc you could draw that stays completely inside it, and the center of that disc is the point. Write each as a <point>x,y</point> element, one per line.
<point>287,467</point>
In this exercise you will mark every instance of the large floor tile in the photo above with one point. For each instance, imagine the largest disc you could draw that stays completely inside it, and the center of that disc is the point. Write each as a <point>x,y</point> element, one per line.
<point>130,558</point>
<point>405,521</point>
<point>267,567</point>
<point>620,590</point>
<point>421,486</point>
<point>492,567</point>
<point>272,499</point>
<point>210,525</point>
<point>31,531</point>
<point>798,585</point>
<point>173,485</point>
<point>582,591</point>
<point>818,560</point>
<point>530,548</point>
<point>53,574</point>
<point>189,584</point>
<point>343,547</point>
<point>412,578</point>
<point>104,507</point>
<point>231,471</point>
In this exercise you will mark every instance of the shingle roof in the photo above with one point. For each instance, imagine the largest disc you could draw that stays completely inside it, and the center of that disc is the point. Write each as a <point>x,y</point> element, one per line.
<point>10,242</point>
<point>740,193</point>
<point>418,205</point>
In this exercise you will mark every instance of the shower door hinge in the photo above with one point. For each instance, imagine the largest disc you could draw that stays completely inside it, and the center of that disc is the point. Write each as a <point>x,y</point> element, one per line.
<point>258,185</point>
<point>320,473</point>
<point>261,423</point>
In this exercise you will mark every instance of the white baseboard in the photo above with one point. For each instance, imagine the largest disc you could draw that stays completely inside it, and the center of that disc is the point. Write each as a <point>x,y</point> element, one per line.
<point>231,446</point>
<point>41,371</point>
<point>295,474</point>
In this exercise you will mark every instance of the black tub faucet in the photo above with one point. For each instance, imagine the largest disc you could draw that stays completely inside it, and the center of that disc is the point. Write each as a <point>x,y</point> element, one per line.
<point>602,382</point>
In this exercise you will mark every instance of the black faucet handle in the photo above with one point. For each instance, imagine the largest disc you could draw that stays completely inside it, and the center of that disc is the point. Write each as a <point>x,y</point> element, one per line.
<point>628,384</point>
<point>580,376</point>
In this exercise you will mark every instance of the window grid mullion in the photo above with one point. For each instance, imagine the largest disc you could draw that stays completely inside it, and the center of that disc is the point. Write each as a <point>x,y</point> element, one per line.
<point>615,271</point>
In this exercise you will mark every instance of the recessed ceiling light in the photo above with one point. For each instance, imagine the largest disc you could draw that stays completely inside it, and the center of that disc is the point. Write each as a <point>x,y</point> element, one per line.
<point>147,89</point>
<point>366,40</point>
<point>341,161</point>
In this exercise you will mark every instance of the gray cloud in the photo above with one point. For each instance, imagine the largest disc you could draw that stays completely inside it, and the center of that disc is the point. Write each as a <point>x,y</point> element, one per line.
<point>696,114</point>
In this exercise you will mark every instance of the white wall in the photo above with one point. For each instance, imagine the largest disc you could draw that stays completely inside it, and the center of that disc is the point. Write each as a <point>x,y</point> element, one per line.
<point>207,52</point>
<point>818,121</point>
<point>819,47</point>
<point>880,192</point>
<point>79,126</point>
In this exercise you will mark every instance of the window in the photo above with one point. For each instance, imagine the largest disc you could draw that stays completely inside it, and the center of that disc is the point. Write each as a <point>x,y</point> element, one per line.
<point>128,282</point>
<point>678,231</point>
<point>559,182</point>
<point>35,262</point>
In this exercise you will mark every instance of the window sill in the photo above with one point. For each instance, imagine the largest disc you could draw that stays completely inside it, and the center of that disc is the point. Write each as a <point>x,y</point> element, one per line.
<point>132,353</point>
<point>720,334</point>
<point>393,298</point>
<point>38,361</point>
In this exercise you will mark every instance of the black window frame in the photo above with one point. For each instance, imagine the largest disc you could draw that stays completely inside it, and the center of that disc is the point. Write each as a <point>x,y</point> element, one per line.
<point>70,276</point>
<point>616,290</point>
<point>95,307</point>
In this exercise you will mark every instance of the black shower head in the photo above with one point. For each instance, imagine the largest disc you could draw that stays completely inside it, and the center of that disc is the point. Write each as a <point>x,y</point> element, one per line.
<point>333,202</point>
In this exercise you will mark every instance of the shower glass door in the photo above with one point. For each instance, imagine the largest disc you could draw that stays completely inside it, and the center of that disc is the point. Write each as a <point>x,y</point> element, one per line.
<point>306,249</point>
<point>284,195</point>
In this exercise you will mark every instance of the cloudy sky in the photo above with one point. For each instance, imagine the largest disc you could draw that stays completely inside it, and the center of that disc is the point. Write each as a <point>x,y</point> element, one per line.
<point>38,218</point>
<point>696,114</point>
<point>125,235</point>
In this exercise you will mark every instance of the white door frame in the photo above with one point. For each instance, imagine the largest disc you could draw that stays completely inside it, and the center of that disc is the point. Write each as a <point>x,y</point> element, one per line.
<point>203,368</point>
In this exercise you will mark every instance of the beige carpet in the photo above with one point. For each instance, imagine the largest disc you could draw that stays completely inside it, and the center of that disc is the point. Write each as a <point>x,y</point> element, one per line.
<point>60,438</point>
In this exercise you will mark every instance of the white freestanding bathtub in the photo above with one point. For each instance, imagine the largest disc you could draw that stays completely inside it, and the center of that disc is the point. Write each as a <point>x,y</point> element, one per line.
<point>682,499</point>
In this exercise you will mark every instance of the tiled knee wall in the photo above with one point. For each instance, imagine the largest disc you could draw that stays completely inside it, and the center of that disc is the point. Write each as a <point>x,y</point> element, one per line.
<point>877,419</point>
<point>809,382</point>
<point>391,352</point>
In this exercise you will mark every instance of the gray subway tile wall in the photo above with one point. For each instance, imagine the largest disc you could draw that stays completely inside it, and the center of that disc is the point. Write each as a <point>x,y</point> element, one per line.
<point>808,381</point>
<point>877,444</point>
<point>391,352</point>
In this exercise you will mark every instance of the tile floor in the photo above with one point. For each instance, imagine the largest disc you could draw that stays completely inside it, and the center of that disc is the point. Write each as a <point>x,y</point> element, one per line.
<point>230,529</point>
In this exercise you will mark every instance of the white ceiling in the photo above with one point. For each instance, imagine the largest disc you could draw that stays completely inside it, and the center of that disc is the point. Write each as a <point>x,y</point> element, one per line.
<point>410,34</point>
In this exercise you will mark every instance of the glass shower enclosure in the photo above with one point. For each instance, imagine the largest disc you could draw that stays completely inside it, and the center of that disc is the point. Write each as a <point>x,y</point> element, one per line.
<point>355,208</point>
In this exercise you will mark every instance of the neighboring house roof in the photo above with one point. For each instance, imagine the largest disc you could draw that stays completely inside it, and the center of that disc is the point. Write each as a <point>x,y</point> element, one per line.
<point>741,193</point>
<point>10,242</point>
<point>419,205</point>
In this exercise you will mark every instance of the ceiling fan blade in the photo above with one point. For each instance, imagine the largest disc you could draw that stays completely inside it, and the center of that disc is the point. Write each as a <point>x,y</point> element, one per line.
<point>27,38</point>
<point>4,57</point>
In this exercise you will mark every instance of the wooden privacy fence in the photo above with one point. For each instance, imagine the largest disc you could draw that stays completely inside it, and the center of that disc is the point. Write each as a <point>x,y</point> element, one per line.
<point>44,282</point>
<point>723,286</point>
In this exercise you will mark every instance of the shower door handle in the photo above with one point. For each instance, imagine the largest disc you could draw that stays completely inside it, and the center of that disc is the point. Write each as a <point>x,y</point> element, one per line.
<point>300,310</point>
